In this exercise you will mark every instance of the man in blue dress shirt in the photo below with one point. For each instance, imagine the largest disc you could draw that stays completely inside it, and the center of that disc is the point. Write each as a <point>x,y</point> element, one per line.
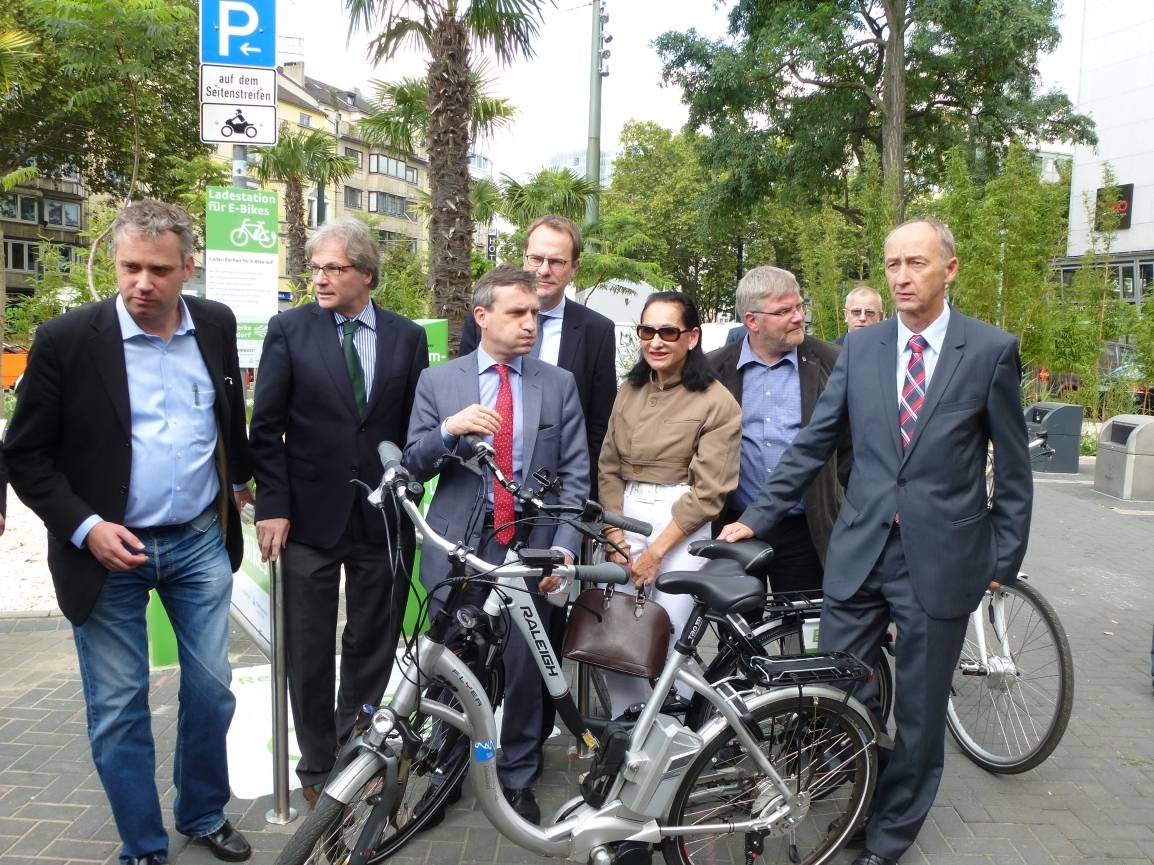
<point>129,442</point>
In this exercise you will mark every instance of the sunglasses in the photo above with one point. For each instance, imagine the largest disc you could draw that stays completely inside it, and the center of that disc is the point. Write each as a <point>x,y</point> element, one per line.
<point>667,332</point>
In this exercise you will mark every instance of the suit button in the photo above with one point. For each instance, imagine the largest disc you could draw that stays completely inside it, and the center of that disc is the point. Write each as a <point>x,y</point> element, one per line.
<point>354,469</point>
<point>901,482</point>
<point>363,428</point>
<point>124,490</point>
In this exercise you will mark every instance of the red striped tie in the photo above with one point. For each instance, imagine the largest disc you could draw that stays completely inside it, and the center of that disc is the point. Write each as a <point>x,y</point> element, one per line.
<point>914,389</point>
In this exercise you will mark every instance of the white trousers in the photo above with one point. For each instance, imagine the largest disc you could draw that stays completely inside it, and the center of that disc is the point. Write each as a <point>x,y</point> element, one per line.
<point>653,503</point>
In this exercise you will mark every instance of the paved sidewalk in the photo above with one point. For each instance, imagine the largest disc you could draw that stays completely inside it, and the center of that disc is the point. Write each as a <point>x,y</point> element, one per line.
<point>1090,803</point>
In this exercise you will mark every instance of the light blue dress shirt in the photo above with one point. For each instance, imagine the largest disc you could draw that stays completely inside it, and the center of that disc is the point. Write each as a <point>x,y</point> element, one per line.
<point>934,335</point>
<point>770,419</point>
<point>551,322</point>
<point>171,396</point>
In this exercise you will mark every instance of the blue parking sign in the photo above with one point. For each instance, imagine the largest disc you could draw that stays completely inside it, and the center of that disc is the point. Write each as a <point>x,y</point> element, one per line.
<point>238,32</point>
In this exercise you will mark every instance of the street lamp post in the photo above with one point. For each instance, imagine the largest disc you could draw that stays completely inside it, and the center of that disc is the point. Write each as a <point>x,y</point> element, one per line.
<point>598,69</point>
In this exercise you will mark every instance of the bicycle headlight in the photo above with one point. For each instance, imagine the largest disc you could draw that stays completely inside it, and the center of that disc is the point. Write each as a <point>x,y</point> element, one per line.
<point>384,722</point>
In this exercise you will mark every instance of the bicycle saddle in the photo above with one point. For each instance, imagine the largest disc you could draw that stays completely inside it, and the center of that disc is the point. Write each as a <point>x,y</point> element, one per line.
<point>753,556</point>
<point>722,594</point>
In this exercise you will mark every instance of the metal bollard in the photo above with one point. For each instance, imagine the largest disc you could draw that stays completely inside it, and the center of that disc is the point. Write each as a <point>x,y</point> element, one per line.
<point>281,812</point>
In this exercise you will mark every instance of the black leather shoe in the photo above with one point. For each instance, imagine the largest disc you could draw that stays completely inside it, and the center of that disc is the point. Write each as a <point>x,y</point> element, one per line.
<point>438,812</point>
<point>150,859</point>
<point>525,804</point>
<point>868,858</point>
<point>227,844</point>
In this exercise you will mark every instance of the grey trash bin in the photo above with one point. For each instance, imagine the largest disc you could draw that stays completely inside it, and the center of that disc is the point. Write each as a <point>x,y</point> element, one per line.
<point>1062,424</point>
<point>1125,465</point>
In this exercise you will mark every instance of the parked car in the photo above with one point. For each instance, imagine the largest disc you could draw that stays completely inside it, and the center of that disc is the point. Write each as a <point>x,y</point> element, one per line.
<point>1129,375</point>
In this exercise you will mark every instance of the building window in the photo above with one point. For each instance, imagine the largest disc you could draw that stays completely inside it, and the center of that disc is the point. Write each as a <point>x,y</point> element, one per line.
<point>352,197</point>
<point>410,174</point>
<point>387,203</point>
<point>381,164</point>
<point>391,240</point>
<point>21,255</point>
<point>355,154</point>
<point>305,120</point>
<point>18,208</point>
<point>62,214</point>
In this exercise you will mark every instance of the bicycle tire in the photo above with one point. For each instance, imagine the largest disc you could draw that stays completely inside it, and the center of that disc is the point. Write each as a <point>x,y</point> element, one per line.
<point>782,638</point>
<point>821,745</point>
<point>331,830</point>
<point>1011,718</point>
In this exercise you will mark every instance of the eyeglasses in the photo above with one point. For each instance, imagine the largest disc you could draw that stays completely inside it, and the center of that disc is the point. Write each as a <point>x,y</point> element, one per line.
<point>782,313</point>
<point>667,332</point>
<point>535,261</point>
<point>332,271</point>
<point>863,313</point>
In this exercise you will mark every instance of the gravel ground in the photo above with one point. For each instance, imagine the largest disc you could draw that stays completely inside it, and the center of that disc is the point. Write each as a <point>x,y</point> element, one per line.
<point>26,585</point>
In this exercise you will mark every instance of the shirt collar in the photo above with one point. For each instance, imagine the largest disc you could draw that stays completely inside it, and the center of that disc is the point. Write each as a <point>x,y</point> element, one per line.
<point>485,363</point>
<point>367,317</point>
<point>129,328</point>
<point>748,356</point>
<point>934,334</point>
<point>557,312</point>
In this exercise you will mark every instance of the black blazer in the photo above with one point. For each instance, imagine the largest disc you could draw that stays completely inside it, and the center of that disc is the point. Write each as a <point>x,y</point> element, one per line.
<point>69,444</point>
<point>816,358</point>
<point>589,351</point>
<point>308,440</point>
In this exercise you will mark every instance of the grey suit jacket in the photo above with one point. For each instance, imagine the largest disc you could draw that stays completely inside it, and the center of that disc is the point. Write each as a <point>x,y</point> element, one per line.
<point>554,438</point>
<point>954,545</point>
<point>816,359</point>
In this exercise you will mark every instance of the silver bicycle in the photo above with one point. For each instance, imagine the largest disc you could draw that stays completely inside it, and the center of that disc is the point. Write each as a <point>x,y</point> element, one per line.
<point>784,773</point>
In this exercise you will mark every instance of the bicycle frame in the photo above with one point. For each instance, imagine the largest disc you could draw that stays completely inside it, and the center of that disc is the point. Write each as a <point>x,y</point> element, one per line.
<point>1001,664</point>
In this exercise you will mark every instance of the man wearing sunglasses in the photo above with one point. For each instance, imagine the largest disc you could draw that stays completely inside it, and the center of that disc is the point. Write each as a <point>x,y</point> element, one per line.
<point>777,372</point>
<point>337,377</point>
<point>863,307</point>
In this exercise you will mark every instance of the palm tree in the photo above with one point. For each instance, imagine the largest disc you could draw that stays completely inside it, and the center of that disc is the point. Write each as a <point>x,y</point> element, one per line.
<point>296,159</point>
<point>447,28</point>
<point>550,190</point>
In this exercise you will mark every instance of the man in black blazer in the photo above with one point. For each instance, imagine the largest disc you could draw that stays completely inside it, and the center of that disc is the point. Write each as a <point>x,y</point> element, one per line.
<point>776,373</point>
<point>324,400</point>
<point>915,543</point>
<point>569,334</point>
<point>128,442</point>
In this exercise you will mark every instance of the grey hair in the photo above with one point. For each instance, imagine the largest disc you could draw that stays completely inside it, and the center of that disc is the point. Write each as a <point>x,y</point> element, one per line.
<point>153,218</point>
<point>763,282</point>
<point>945,236</point>
<point>862,288</point>
<point>357,239</point>
<point>502,274</point>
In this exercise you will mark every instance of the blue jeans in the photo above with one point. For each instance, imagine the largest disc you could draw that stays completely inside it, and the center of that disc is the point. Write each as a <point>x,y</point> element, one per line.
<point>189,568</point>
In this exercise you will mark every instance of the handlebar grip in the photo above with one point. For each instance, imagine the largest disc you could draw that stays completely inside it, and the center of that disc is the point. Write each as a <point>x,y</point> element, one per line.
<point>606,572</point>
<point>626,524</point>
<point>390,455</point>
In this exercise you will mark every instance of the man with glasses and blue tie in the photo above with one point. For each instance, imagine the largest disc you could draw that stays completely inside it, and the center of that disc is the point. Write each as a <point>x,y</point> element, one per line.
<point>337,376</point>
<point>916,540</point>
<point>863,307</point>
<point>777,372</point>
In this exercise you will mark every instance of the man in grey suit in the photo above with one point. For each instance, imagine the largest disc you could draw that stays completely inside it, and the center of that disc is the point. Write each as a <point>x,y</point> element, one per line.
<point>532,413</point>
<point>923,396</point>
<point>777,373</point>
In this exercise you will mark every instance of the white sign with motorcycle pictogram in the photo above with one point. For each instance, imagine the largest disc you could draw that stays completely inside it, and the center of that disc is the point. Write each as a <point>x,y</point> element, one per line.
<point>230,123</point>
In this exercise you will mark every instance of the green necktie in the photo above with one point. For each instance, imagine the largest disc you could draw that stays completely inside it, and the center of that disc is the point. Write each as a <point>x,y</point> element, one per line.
<point>353,364</point>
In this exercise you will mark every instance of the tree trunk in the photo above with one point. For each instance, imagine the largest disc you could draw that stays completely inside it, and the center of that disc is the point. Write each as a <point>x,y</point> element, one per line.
<point>294,212</point>
<point>450,214</point>
<point>894,108</point>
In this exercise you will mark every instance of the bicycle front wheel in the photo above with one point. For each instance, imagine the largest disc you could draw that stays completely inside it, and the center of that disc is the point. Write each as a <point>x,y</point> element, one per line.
<point>1008,711</point>
<point>824,749</point>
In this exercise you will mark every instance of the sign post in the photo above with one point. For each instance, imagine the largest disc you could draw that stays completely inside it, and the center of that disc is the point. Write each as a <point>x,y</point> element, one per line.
<point>238,71</point>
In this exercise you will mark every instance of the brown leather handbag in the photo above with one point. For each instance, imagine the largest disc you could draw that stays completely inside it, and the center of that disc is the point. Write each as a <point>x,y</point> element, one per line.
<point>618,631</point>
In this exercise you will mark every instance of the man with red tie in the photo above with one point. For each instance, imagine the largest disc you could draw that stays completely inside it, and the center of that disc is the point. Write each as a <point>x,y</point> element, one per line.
<point>531,412</point>
<point>923,395</point>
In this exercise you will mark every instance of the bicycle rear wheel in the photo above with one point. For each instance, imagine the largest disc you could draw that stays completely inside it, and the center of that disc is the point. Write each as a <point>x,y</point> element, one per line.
<point>1009,713</point>
<point>824,749</point>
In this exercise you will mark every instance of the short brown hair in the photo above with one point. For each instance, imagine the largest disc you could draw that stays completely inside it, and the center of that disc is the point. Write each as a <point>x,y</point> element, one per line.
<point>558,223</point>
<point>502,274</point>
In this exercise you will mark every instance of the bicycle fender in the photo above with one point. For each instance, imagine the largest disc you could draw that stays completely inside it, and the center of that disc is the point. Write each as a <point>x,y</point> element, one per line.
<point>366,764</point>
<point>790,695</point>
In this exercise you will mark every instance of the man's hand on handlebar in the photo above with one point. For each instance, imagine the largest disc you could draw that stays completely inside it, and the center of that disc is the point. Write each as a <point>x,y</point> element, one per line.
<point>735,532</point>
<point>552,583</point>
<point>272,535</point>
<point>475,418</point>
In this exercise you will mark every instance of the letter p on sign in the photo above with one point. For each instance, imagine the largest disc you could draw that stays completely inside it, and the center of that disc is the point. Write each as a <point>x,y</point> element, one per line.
<point>229,29</point>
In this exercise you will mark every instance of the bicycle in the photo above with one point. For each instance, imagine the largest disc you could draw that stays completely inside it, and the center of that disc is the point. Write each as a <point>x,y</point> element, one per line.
<point>255,231</point>
<point>1013,688</point>
<point>785,770</point>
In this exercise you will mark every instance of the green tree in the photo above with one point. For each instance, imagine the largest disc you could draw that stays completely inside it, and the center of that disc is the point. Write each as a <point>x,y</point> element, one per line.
<point>404,285</point>
<point>799,88</point>
<point>296,159</point>
<point>550,190</point>
<point>447,29</point>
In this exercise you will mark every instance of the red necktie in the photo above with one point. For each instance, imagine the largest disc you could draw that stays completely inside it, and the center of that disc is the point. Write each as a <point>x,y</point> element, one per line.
<point>914,389</point>
<point>503,514</point>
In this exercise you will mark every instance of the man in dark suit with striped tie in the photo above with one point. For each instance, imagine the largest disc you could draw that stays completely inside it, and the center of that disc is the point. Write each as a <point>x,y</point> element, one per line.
<point>336,378</point>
